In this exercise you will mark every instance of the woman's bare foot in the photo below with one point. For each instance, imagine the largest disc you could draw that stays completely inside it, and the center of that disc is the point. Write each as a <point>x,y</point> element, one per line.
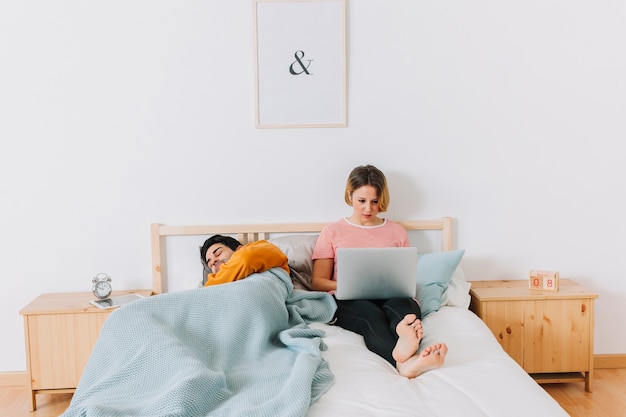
<point>410,334</point>
<point>430,358</point>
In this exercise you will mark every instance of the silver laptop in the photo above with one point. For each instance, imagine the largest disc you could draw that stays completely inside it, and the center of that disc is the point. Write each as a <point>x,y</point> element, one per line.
<point>376,273</point>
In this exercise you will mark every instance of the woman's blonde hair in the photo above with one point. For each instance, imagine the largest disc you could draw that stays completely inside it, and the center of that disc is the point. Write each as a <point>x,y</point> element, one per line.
<point>368,175</point>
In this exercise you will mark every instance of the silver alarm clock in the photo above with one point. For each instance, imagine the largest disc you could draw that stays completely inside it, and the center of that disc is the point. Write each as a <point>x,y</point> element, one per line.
<point>101,286</point>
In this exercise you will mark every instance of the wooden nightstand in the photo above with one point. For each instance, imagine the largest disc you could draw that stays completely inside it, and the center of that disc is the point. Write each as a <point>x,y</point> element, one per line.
<point>61,330</point>
<point>550,334</point>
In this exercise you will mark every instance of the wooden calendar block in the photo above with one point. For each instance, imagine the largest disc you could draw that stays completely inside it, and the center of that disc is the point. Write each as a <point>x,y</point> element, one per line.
<point>543,280</point>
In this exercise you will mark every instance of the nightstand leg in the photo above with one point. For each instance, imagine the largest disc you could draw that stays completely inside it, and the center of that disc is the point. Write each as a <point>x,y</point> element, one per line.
<point>33,401</point>
<point>589,381</point>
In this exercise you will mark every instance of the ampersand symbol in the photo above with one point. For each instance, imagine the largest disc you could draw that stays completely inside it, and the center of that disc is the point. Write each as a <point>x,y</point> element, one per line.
<point>305,68</point>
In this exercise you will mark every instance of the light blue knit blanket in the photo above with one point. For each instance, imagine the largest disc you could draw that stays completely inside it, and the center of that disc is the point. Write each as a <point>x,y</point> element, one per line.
<point>237,349</point>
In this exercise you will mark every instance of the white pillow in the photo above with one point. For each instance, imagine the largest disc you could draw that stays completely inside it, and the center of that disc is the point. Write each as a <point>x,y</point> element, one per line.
<point>457,292</point>
<point>192,282</point>
<point>298,249</point>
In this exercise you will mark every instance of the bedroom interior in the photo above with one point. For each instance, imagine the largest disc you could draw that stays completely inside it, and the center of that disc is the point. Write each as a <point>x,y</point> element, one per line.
<point>506,116</point>
<point>439,264</point>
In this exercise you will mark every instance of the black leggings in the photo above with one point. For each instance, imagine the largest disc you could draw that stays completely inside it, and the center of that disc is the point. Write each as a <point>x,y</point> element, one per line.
<point>376,321</point>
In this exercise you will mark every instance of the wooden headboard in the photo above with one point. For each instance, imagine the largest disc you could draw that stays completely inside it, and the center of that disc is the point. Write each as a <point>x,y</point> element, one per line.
<point>252,232</point>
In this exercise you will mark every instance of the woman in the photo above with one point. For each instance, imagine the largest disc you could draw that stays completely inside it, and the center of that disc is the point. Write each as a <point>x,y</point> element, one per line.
<point>391,328</point>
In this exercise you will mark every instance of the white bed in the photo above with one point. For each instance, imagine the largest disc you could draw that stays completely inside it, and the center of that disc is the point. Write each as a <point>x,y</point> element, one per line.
<point>477,379</point>
<point>228,350</point>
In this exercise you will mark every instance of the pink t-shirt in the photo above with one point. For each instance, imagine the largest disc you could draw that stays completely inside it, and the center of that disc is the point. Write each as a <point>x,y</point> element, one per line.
<point>343,234</point>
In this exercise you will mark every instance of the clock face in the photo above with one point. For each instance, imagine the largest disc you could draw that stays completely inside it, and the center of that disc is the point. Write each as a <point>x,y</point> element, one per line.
<point>102,289</point>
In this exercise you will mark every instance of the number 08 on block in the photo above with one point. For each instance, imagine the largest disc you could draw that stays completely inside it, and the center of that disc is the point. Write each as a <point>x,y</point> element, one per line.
<point>543,280</point>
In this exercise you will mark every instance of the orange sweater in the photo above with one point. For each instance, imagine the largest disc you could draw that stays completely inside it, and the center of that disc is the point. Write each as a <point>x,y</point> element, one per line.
<point>254,257</point>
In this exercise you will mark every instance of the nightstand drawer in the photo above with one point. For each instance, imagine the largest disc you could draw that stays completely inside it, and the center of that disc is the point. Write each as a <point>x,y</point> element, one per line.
<point>60,345</point>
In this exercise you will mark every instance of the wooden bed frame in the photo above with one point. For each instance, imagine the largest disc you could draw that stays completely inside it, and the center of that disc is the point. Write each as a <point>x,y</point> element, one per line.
<point>252,232</point>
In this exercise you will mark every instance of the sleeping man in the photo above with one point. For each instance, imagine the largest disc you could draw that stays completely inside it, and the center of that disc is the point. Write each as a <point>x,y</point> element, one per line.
<point>230,261</point>
<point>198,353</point>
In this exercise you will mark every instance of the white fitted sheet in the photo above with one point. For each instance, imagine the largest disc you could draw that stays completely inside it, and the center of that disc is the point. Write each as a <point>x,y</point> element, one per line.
<point>477,379</point>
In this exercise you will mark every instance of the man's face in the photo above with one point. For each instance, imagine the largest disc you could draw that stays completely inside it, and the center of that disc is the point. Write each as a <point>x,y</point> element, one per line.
<point>217,255</point>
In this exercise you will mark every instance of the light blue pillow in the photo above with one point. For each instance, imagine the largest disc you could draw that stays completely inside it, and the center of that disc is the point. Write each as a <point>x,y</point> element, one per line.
<point>434,271</point>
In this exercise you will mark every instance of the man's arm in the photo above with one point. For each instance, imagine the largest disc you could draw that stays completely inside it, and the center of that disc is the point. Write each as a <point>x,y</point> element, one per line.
<point>254,257</point>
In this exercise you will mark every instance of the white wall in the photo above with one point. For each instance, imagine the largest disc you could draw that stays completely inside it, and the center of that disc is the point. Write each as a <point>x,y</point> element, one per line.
<point>508,116</point>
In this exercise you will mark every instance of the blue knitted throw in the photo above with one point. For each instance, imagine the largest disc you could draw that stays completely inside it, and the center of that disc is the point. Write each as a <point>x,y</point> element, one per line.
<point>237,349</point>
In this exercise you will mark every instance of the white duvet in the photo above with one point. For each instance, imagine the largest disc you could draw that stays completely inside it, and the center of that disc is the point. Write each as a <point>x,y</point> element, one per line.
<point>478,378</point>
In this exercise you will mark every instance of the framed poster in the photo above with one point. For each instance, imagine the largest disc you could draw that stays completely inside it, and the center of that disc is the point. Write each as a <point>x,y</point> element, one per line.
<point>300,60</point>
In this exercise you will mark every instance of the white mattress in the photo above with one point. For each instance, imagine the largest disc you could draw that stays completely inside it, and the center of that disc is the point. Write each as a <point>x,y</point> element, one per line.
<point>477,379</point>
